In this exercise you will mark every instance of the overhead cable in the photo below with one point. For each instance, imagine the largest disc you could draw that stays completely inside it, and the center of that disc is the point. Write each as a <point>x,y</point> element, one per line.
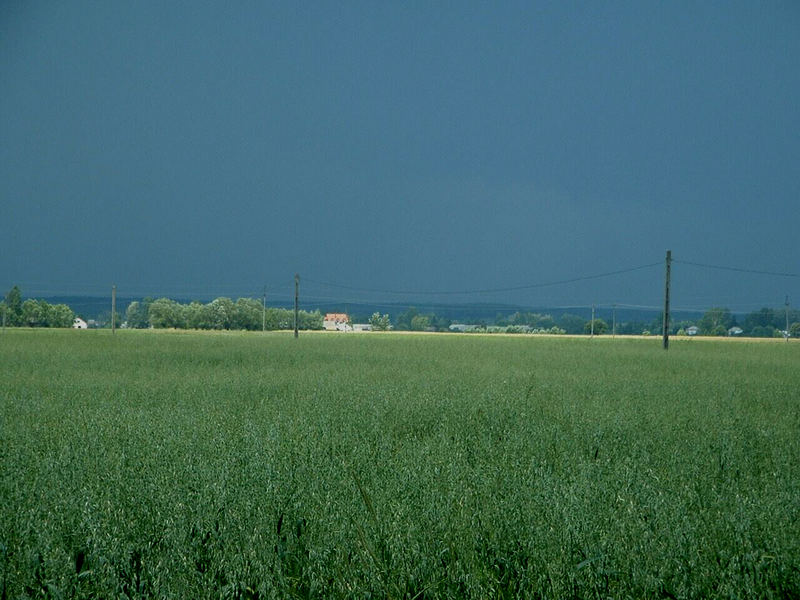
<point>484,291</point>
<point>737,269</point>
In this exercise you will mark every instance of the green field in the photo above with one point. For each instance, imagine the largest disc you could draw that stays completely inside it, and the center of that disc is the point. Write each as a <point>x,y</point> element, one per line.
<point>249,465</point>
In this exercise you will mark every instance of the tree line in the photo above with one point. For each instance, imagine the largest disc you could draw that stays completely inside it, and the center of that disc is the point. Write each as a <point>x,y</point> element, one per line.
<point>717,321</point>
<point>33,313</point>
<point>765,322</point>
<point>221,313</point>
<point>161,313</point>
<point>249,314</point>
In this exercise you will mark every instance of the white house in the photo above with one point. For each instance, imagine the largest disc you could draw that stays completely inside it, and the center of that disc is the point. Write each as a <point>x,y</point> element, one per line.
<point>336,322</point>
<point>79,323</point>
<point>692,330</point>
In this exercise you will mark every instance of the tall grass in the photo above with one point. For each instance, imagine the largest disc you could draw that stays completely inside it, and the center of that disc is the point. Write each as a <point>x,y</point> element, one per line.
<point>257,466</point>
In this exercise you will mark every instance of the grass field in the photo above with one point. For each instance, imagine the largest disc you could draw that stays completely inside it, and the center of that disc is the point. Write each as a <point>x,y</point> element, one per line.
<point>206,465</point>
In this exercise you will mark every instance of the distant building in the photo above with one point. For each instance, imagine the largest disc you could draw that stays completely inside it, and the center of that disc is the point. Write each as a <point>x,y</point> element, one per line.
<point>460,327</point>
<point>336,322</point>
<point>362,327</point>
<point>79,323</point>
<point>692,330</point>
<point>735,331</point>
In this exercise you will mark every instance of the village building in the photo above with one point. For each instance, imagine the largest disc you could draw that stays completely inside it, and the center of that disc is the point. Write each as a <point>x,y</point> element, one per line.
<point>336,322</point>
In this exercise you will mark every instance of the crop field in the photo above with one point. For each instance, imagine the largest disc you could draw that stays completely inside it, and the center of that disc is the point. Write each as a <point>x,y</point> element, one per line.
<point>248,465</point>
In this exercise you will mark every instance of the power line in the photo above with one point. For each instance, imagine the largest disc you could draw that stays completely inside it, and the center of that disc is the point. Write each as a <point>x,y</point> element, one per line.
<point>485,291</point>
<point>79,288</point>
<point>278,291</point>
<point>736,269</point>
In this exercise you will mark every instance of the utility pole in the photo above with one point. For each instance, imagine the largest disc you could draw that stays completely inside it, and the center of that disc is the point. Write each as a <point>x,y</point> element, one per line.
<point>592,322</point>
<point>4,317</point>
<point>614,322</point>
<point>666,301</point>
<point>296,303</point>
<point>786,304</point>
<point>113,309</point>
<point>264,311</point>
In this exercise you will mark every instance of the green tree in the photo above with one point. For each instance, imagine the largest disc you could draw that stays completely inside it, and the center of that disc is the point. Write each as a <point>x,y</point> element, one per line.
<point>769,318</point>
<point>165,313</point>
<point>420,323</point>
<point>274,318</point>
<point>40,313</point>
<point>716,320</point>
<point>60,315</point>
<point>765,317</point>
<point>196,315</point>
<point>33,313</point>
<point>572,324</point>
<point>222,312</point>
<point>283,318</point>
<point>656,326</point>
<point>404,319</point>
<point>309,320</point>
<point>794,329</point>
<point>440,323</point>
<point>14,307</point>
<point>379,322</point>
<point>600,327</point>
<point>248,314</point>
<point>138,314</point>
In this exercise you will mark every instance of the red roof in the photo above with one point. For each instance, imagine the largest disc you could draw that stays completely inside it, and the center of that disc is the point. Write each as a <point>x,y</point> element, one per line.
<point>337,317</point>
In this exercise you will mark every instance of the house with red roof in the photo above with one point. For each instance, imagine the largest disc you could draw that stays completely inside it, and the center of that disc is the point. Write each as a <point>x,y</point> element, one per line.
<point>336,322</point>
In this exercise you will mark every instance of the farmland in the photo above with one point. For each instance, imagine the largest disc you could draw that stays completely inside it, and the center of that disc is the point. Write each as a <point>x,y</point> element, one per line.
<point>249,465</point>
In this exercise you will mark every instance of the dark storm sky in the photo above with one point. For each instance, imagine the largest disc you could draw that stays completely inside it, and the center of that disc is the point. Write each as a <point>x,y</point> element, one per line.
<point>192,149</point>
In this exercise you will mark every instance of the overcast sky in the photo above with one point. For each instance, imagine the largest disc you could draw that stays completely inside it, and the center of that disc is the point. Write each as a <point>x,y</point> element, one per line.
<point>192,148</point>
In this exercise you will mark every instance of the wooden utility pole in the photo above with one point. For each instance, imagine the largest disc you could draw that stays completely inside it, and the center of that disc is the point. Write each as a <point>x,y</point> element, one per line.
<point>614,322</point>
<point>264,312</point>
<point>296,303</point>
<point>666,301</point>
<point>592,322</point>
<point>113,309</point>
<point>786,304</point>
